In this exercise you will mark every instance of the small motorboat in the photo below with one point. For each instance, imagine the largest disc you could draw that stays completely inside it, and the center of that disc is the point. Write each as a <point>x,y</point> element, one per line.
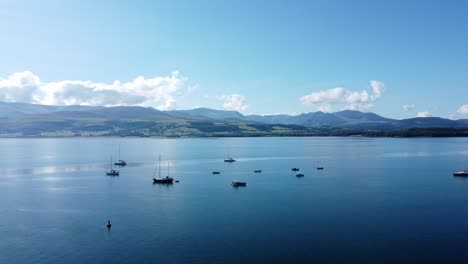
<point>120,163</point>
<point>319,168</point>
<point>109,225</point>
<point>238,183</point>
<point>461,173</point>
<point>216,172</point>
<point>299,174</point>
<point>258,171</point>
<point>295,169</point>
<point>229,160</point>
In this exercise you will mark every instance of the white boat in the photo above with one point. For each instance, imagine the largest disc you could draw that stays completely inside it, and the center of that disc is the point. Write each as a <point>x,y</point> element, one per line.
<point>299,174</point>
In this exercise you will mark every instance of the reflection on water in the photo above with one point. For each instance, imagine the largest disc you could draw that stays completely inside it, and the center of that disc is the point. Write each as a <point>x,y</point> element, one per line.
<point>423,154</point>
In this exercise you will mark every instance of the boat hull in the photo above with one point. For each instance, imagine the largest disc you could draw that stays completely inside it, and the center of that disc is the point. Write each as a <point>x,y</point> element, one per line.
<point>163,181</point>
<point>239,184</point>
<point>112,173</point>
<point>461,174</point>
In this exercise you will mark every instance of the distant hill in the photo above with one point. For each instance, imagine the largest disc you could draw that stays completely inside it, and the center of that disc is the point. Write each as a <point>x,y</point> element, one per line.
<point>209,113</point>
<point>16,109</point>
<point>20,119</point>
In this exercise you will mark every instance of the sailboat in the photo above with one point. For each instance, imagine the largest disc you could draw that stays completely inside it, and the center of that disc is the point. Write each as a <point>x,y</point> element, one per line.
<point>229,159</point>
<point>164,180</point>
<point>112,172</point>
<point>120,163</point>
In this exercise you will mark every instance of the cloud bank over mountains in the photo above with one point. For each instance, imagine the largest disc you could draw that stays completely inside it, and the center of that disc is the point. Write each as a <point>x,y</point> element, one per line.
<point>158,92</point>
<point>350,100</point>
<point>234,102</point>
<point>163,93</point>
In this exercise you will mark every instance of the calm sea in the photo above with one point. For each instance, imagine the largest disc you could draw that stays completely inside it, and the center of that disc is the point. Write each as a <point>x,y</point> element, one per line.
<point>376,201</point>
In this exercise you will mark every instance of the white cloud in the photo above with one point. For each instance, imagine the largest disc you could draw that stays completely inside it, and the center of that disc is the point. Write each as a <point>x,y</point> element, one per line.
<point>378,88</point>
<point>235,102</point>
<point>326,108</point>
<point>408,107</point>
<point>463,110</point>
<point>158,92</point>
<point>424,114</point>
<point>350,99</point>
<point>358,107</point>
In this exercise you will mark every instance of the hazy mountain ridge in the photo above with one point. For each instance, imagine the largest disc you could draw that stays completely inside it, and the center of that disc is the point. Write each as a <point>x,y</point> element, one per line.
<point>29,119</point>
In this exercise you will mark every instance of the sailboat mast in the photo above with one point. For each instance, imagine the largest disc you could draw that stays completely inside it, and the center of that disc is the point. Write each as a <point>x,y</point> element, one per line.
<point>159,166</point>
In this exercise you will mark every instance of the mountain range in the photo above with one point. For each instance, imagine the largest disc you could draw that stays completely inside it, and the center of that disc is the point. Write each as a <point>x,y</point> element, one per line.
<point>22,119</point>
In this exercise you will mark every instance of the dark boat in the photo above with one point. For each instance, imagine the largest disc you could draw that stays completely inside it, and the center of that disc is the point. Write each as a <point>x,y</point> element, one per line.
<point>258,171</point>
<point>319,168</point>
<point>109,225</point>
<point>238,183</point>
<point>216,172</point>
<point>166,180</point>
<point>229,160</point>
<point>112,172</point>
<point>461,173</point>
<point>295,169</point>
<point>120,163</point>
<point>299,174</point>
<point>163,180</point>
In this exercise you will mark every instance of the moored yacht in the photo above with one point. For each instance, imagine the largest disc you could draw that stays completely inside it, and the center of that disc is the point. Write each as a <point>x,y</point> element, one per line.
<point>238,183</point>
<point>112,172</point>
<point>229,160</point>
<point>165,180</point>
<point>460,173</point>
<point>120,163</point>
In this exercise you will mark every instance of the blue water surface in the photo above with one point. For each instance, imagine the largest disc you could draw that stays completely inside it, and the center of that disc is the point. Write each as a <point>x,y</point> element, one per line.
<point>382,200</point>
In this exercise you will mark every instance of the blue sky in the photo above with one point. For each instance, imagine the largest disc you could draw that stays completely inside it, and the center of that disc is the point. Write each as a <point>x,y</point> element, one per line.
<point>260,57</point>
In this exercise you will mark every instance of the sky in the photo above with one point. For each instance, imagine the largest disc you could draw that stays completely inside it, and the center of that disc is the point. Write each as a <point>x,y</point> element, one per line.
<point>399,59</point>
